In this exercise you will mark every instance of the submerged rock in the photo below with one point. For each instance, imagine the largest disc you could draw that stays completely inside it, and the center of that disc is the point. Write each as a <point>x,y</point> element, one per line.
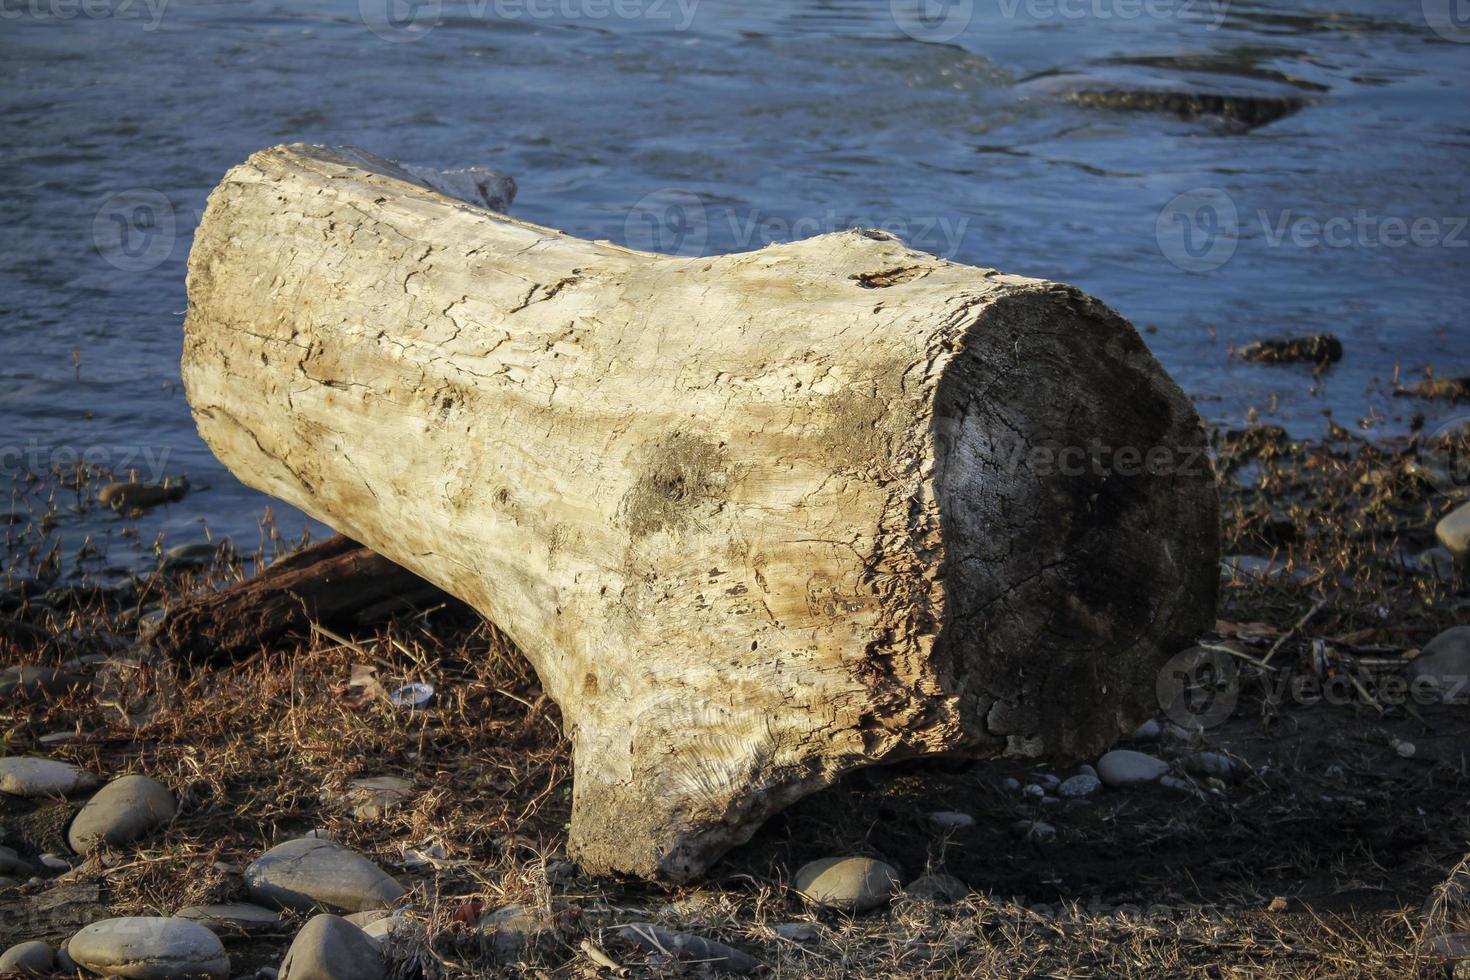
<point>1439,389</point>
<point>139,496</point>
<point>1322,348</point>
<point>1242,111</point>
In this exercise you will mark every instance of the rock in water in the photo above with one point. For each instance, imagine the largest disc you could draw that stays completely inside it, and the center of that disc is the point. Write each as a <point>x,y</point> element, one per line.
<point>33,776</point>
<point>1322,348</point>
<point>687,946</point>
<point>32,959</point>
<point>1444,665</point>
<point>1241,111</point>
<point>123,811</point>
<point>139,496</point>
<point>303,874</point>
<point>1439,389</point>
<point>1453,531</point>
<point>848,883</point>
<point>150,948</point>
<point>1124,767</point>
<point>331,948</point>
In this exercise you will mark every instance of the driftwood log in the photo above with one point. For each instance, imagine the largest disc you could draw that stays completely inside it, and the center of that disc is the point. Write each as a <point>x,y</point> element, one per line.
<point>756,520</point>
<point>333,583</point>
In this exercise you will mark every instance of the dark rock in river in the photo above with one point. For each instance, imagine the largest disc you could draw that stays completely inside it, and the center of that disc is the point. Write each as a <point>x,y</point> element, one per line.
<point>1440,389</point>
<point>1242,111</point>
<point>1322,348</point>
<point>138,496</point>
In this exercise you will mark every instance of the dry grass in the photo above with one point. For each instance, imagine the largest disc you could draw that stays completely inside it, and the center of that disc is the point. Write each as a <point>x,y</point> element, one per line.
<point>1262,879</point>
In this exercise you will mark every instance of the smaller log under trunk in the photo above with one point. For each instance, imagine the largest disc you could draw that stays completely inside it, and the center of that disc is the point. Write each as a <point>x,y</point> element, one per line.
<point>333,584</point>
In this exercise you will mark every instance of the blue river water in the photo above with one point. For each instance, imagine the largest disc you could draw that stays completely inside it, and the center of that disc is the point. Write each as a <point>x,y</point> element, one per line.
<point>722,125</point>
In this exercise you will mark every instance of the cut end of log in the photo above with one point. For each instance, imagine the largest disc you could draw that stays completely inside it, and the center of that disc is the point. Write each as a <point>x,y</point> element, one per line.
<point>757,520</point>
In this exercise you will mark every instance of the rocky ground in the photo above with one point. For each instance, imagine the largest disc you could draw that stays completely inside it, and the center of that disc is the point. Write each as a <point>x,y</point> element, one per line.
<point>1300,807</point>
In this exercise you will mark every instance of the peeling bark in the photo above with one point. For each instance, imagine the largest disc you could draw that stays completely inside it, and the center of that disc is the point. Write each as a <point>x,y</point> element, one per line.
<point>756,520</point>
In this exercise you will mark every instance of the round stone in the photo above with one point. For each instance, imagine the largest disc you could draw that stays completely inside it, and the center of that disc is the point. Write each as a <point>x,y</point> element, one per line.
<point>938,888</point>
<point>1124,767</point>
<point>799,932</point>
<point>1079,786</point>
<point>331,948</point>
<point>32,959</point>
<point>31,776</point>
<point>515,930</point>
<point>951,820</point>
<point>150,948</point>
<point>123,811</point>
<point>28,681</point>
<point>848,883</point>
<point>1442,668</point>
<point>232,919</point>
<point>304,874</point>
<point>1453,531</point>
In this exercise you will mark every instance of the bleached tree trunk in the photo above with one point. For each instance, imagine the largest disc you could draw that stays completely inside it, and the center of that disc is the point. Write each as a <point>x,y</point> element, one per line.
<point>756,520</point>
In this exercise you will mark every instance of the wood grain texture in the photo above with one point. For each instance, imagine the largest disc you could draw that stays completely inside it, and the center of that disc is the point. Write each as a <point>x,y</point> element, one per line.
<point>756,520</point>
